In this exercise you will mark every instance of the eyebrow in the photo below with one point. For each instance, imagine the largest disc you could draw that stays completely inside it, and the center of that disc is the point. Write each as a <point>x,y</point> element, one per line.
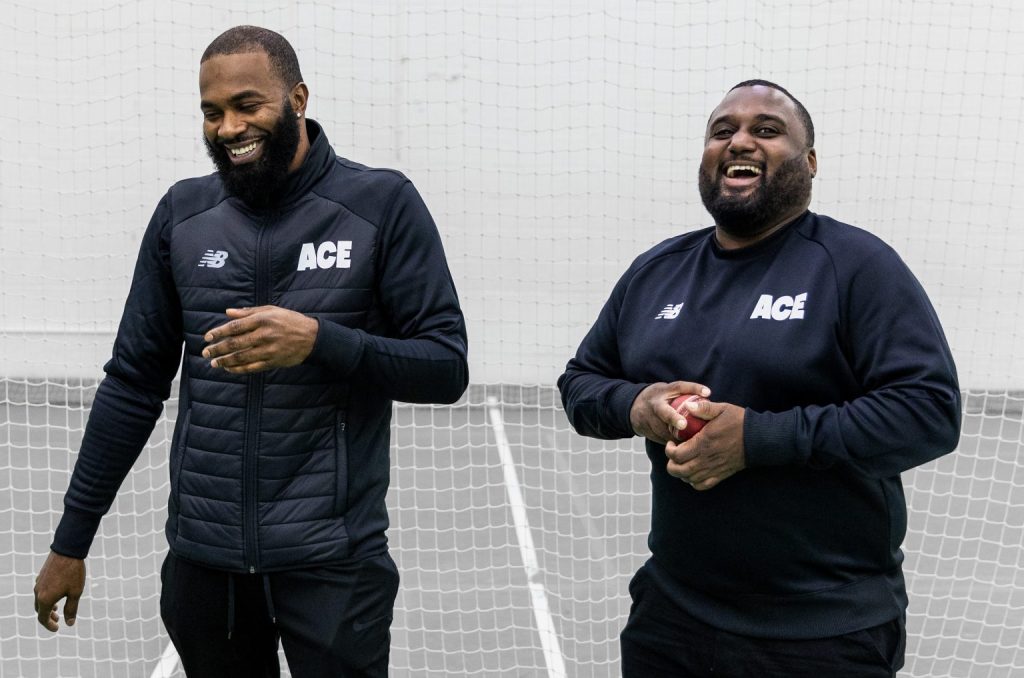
<point>760,117</point>
<point>241,96</point>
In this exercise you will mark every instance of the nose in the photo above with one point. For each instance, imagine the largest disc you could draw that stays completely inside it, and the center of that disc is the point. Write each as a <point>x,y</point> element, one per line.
<point>231,126</point>
<point>741,141</point>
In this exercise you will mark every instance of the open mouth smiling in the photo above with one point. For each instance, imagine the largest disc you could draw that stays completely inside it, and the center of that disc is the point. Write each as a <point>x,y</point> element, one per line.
<point>742,171</point>
<point>741,175</point>
<point>244,151</point>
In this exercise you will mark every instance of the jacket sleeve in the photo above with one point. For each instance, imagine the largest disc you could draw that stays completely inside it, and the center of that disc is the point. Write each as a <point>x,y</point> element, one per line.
<point>426,361</point>
<point>596,397</point>
<point>909,410</point>
<point>130,397</point>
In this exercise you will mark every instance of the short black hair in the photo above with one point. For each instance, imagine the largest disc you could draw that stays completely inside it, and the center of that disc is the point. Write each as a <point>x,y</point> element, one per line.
<point>805,117</point>
<point>245,39</point>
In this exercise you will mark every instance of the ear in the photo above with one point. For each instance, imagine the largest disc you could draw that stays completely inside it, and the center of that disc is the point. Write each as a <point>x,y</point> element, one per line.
<point>812,162</point>
<point>299,97</point>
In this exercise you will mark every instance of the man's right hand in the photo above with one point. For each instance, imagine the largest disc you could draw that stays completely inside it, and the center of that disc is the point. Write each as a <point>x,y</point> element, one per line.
<point>653,417</point>
<point>60,577</point>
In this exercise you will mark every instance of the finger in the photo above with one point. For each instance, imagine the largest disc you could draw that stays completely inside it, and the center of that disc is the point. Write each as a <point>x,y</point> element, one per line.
<point>683,452</point>
<point>711,475</point>
<point>216,353</point>
<point>676,470</point>
<point>232,328</point>
<point>704,409</point>
<point>667,413</point>
<point>242,358</point>
<point>689,387</point>
<point>39,603</point>
<point>686,451</point>
<point>668,416</point>
<point>705,484</point>
<point>248,368</point>
<point>71,609</point>
<point>47,617</point>
<point>222,353</point>
<point>670,449</point>
<point>700,468</point>
<point>221,348</point>
<point>684,479</point>
<point>233,346</point>
<point>688,471</point>
<point>246,311</point>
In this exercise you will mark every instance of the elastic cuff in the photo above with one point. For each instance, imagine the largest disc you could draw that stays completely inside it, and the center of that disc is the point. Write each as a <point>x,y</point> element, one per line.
<point>338,348</point>
<point>75,533</point>
<point>621,402</point>
<point>769,438</point>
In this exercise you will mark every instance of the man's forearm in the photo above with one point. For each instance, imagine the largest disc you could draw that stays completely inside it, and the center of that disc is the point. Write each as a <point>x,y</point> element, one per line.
<point>417,370</point>
<point>120,422</point>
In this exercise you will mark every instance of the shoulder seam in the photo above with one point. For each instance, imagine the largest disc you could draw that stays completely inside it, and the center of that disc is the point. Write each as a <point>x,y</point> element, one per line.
<point>655,257</point>
<point>403,180</point>
<point>170,205</point>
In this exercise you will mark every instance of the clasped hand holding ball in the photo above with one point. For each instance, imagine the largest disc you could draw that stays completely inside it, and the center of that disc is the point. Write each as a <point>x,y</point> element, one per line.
<point>672,414</point>
<point>692,423</point>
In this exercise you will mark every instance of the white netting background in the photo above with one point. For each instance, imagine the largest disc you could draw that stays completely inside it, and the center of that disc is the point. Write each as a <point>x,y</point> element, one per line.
<point>552,142</point>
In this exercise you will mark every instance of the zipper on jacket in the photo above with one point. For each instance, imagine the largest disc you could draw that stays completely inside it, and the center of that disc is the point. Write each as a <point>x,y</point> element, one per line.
<point>254,412</point>
<point>249,461</point>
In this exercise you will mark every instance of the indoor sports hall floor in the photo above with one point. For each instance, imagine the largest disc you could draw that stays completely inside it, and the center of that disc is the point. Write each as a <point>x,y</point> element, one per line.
<point>516,540</point>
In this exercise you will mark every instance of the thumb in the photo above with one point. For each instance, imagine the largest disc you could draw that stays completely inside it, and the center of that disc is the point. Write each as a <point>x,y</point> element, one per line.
<point>703,409</point>
<point>71,609</point>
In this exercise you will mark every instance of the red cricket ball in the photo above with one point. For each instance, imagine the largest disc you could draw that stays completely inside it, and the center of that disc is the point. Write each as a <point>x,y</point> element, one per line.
<point>693,424</point>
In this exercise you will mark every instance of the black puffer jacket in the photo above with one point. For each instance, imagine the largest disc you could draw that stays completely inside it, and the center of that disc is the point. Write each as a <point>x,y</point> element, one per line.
<point>287,467</point>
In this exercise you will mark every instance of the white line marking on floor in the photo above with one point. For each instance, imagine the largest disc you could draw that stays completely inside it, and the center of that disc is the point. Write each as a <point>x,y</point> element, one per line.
<point>541,612</point>
<point>168,663</point>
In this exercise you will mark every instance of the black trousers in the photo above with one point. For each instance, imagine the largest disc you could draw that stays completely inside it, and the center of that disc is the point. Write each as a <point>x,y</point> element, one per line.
<point>660,640</point>
<point>333,621</point>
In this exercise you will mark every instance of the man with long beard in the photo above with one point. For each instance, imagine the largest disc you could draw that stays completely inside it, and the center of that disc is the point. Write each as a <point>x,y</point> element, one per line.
<point>309,292</point>
<point>776,529</point>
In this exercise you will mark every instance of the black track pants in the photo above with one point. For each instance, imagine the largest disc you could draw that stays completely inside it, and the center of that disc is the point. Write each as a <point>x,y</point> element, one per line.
<point>333,621</point>
<point>660,640</point>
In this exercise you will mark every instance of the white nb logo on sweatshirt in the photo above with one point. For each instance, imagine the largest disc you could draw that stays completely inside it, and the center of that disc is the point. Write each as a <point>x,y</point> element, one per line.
<point>213,259</point>
<point>670,312</point>
<point>783,308</point>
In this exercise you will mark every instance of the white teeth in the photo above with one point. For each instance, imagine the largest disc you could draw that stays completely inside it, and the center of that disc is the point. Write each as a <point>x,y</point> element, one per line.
<point>731,171</point>
<point>243,150</point>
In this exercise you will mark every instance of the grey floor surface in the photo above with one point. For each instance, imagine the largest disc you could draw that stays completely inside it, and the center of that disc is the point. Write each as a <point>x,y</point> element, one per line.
<point>465,606</point>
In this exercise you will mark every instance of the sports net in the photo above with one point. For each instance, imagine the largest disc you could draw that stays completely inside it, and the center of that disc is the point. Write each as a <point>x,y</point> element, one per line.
<point>553,142</point>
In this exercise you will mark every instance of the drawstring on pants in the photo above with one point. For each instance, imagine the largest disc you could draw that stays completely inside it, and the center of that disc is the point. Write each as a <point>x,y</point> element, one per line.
<point>270,600</point>
<point>231,602</point>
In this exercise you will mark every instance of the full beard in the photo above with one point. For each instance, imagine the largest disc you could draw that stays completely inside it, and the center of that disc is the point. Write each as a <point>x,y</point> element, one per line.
<point>258,183</point>
<point>744,216</point>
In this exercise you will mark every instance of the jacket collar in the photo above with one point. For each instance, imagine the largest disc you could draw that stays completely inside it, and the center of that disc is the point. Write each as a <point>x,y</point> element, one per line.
<point>317,162</point>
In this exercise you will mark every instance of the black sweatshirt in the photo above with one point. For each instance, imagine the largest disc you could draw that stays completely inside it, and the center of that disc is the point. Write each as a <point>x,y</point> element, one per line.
<point>830,344</point>
<point>288,467</point>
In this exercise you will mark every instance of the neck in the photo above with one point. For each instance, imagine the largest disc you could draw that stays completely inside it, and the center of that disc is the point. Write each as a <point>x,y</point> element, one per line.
<point>729,241</point>
<point>303,149</point>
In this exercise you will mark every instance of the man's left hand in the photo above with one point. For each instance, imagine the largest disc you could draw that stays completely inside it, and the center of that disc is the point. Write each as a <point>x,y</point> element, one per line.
<point>715,452</point>
<point>260,338</point>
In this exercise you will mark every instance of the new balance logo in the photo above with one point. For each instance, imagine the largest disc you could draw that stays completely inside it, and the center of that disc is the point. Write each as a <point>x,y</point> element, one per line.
<point>213,259</point>
<point>783,308</point>
<point>670,312</point>
<point>325,255</point>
